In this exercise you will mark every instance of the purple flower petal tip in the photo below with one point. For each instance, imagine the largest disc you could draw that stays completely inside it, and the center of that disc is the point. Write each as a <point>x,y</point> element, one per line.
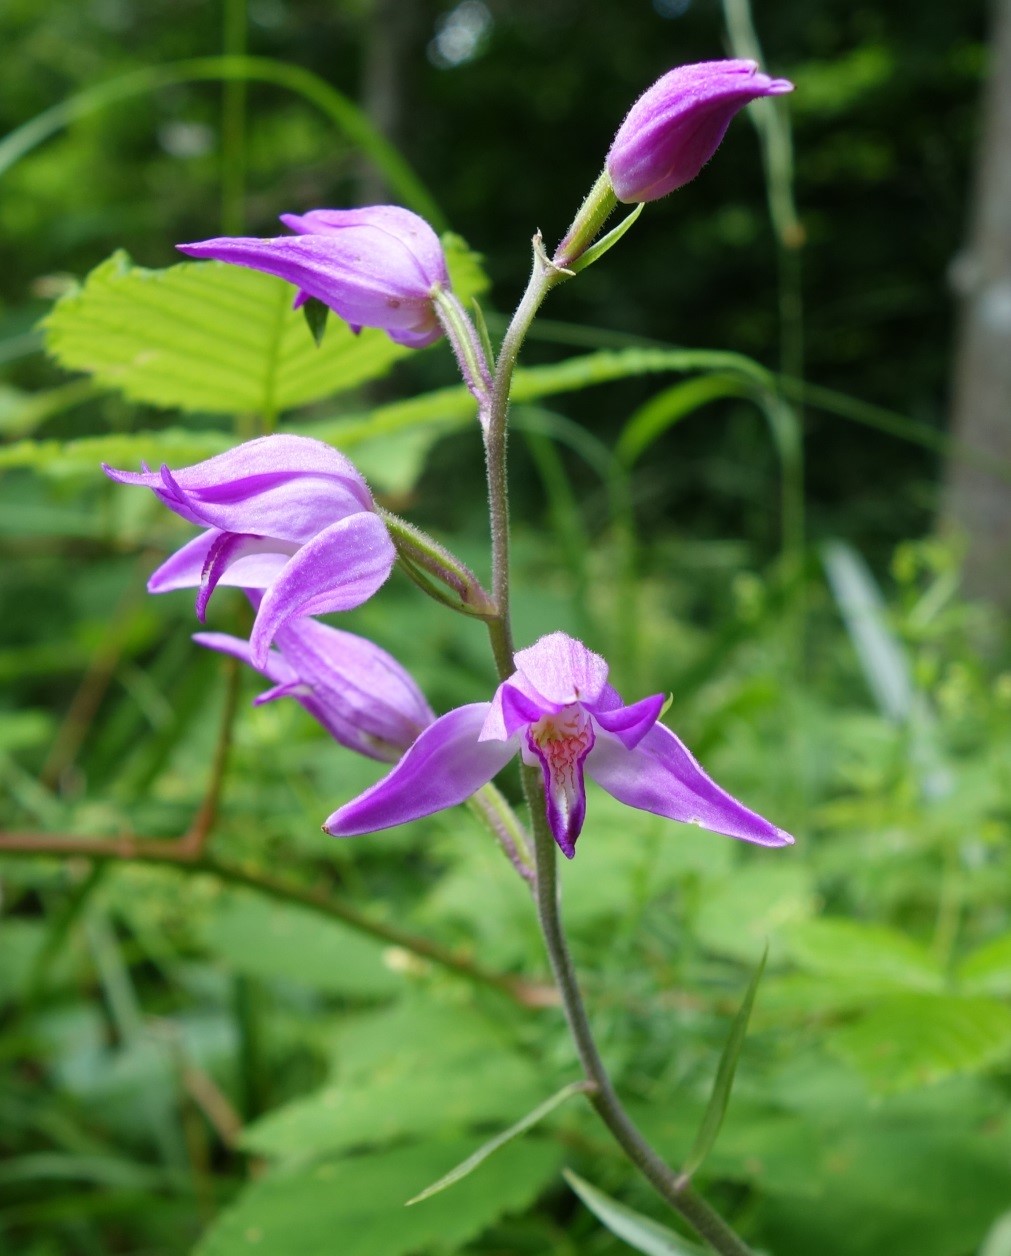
<point>374,267</point>
<point>675,126</point>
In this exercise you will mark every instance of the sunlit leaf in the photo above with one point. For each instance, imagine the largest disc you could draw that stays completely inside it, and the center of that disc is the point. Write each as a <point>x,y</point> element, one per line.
<point>207,337</point>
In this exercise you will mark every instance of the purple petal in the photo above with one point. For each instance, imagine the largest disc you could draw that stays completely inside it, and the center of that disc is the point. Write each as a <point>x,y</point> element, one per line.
<point>413,231</point>
<point>630,724</point>
<point>228,549</point>
<point>445,766</point>
<point>675,126</point>
<point>184,569</point>
<point>512,709</point>
<point>361,686</point>
<point>363,273</point>
<point>336,571</point>
<point>288,487</point>
<point>560,745</point>
<point>562,670</point>
<point>660,775</point>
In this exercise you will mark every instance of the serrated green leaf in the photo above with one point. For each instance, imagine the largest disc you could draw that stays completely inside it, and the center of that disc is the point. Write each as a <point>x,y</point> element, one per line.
<point>208,337</point>
<point>489,1148</point>
<point>355,1206</point>
<point>716,1109</point>
<point>406,1072</point>
<point>872,957</point>
<point>633,1228</point>
<point>910,1040</point>
<point>261,938</point>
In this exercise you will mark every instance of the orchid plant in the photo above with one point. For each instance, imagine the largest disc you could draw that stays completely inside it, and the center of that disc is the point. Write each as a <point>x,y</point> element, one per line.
<point>292,522</point>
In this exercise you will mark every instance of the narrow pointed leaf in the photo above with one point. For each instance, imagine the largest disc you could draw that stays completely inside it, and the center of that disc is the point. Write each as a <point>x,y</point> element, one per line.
<point>638,1231</point>
<point>716,1109</point>
<point>493,1144</point>
<point>606,243</point>
<point>315,316</point>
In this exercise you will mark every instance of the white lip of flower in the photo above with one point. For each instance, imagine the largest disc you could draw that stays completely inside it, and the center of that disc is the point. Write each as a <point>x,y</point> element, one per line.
<point>563,739</point>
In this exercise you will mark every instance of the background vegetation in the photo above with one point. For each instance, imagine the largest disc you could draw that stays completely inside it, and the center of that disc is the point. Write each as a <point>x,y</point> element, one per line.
<point>220,1030</point>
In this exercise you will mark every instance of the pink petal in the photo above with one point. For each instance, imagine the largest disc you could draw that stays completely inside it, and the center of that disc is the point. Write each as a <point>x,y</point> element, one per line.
<point>444,767</point>
<point>660,775</point>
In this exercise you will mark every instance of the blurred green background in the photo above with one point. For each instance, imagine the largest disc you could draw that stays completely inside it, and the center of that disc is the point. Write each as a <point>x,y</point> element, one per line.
<point>732,450</point>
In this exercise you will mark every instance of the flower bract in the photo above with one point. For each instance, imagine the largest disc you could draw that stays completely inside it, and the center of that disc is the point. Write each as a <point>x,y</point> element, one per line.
<point>557,712</point>
<point>359,693</point>
<point>286,515</point>
<point>677,124</point>
<point>374,267</point>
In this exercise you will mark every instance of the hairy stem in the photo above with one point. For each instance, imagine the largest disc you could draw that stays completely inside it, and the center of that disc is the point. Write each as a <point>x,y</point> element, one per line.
<point>543,277</point>
<point>675,1188</point>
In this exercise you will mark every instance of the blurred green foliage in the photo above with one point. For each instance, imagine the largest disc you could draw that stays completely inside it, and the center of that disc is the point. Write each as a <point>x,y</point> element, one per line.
<point>238,1055</point>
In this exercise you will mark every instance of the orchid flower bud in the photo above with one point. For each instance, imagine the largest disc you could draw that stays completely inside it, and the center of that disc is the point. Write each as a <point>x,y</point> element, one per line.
<point>675,127</point>
<point>374,267</point>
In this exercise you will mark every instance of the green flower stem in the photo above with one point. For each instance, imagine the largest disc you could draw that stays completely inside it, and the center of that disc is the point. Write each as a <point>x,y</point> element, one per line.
<point>543,277</point>
<point>675,1188</point>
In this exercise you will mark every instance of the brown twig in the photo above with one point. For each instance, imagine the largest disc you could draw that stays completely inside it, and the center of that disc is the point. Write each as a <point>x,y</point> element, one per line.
<point>180,853</point>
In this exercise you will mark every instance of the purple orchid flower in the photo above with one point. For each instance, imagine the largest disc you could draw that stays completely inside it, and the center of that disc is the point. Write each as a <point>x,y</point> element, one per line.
<point>374,267</point>
<point>560,714</point>
<point>283,514</point>
<point>677,124</point>
<point>359,693</point>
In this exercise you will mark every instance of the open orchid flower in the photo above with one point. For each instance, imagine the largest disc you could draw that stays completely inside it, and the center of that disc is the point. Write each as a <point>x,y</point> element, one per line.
<point>283,514</point>
<point>374,267</point>
<point>559,713</point>
<point>359,693</point>
<point>677,124</point>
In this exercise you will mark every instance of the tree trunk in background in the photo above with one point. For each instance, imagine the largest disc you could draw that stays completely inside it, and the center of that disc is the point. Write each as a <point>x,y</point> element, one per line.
<point>977,502</point>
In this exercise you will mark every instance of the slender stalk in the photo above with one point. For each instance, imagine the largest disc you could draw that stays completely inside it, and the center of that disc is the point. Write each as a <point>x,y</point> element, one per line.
<point>675,1188</point>
<point>543,277</point>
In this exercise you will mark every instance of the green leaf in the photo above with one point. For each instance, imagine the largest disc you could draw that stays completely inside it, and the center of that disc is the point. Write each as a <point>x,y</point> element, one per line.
<point>719,1099</point>
<point>911,1040</point>
<point>466,274</point>
<point>407,1071</point>
<point>670,406</point>
<point>638,1231</point>
<point>208,337</point>
<point>355,1206</point>
<point>987,970</point>
<point>871,957</point>
<point>493,1144</point>
<point>607,242</point>
<point>266,939</point>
